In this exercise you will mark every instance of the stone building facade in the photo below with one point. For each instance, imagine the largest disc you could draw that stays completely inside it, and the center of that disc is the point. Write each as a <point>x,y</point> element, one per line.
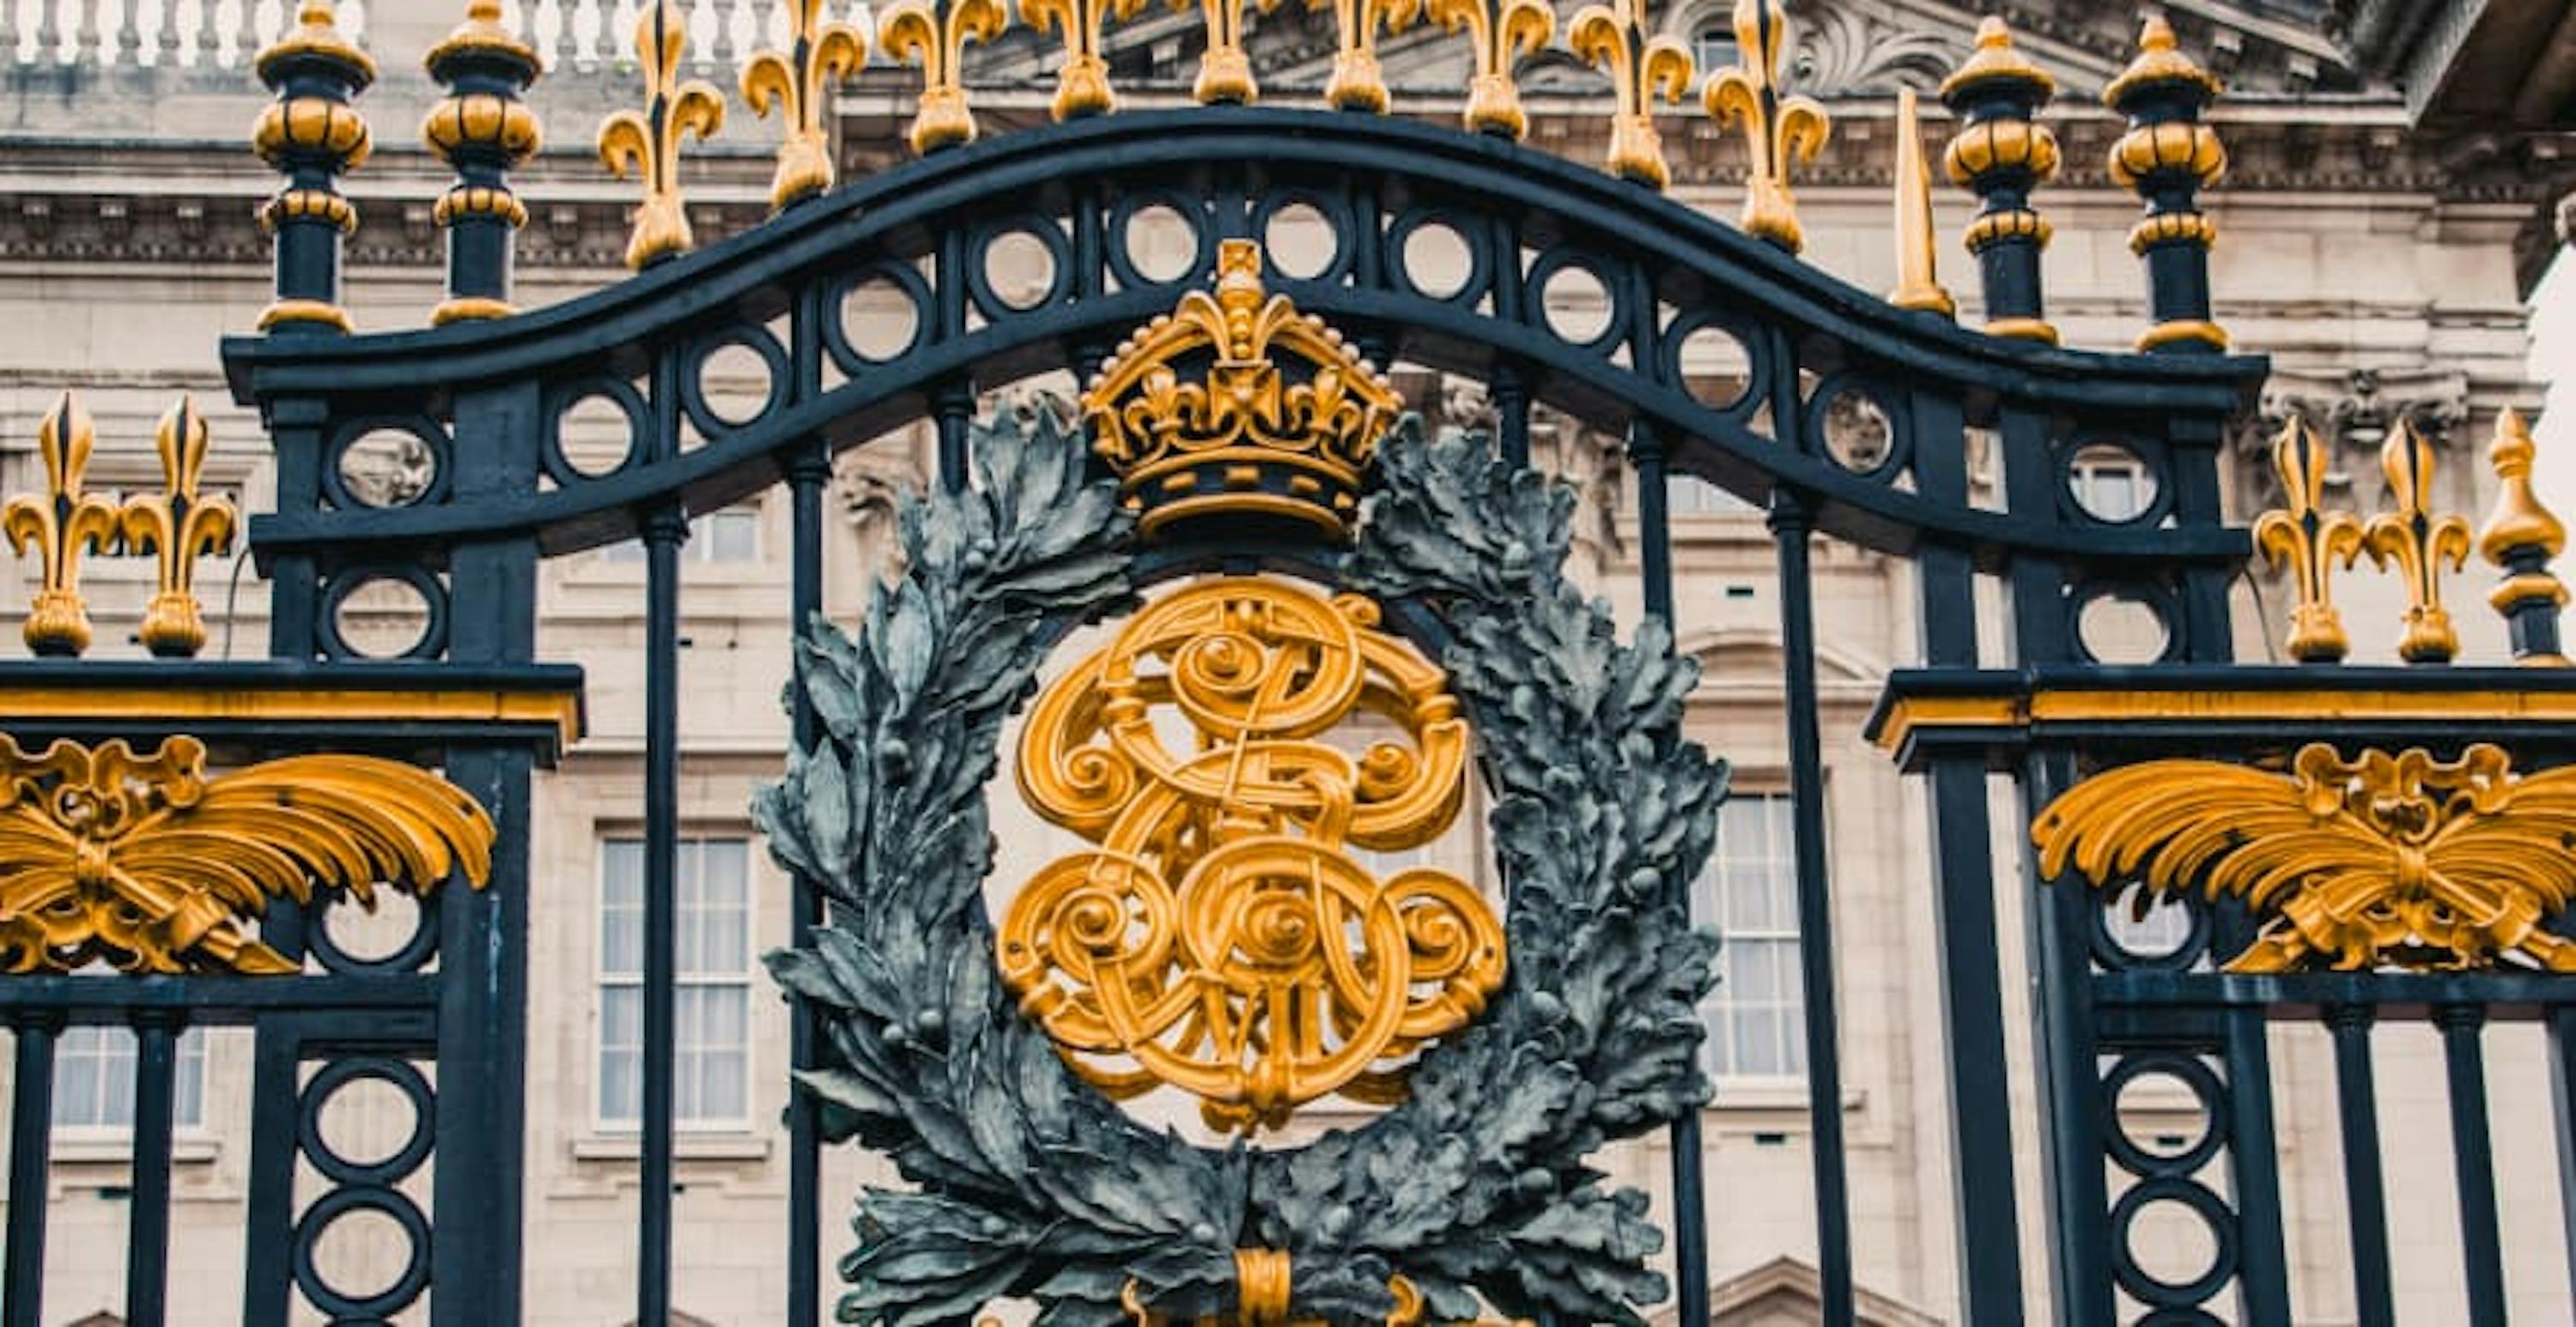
<point>2387,213</point>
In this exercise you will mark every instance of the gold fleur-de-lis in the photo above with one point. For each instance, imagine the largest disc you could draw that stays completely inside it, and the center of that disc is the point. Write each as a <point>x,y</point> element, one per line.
<point>1082,85</point>
<point>60,524</point>
<point>933,34</point>
<point>1641,66</point>
<point>798,83</point>
<point>645,144</point>
<point>2310,542</point>
<point>178,525</point>
<point>2417,542</point>
<point>1779,132</point>
<point>1225,68</point>
<point>1500,34</point>
<point>1359,84</point>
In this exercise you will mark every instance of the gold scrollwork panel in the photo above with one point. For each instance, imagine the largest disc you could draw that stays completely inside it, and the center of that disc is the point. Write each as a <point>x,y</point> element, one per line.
<point>2389,860</point>
<point>1222,938</point>
<point>149,864</point>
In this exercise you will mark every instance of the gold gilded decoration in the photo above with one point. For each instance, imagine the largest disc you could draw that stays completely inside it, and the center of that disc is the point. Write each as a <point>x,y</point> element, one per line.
<point>797,84</point>
<point>481,134</point>
<point>311,134</point>
<point>1225,67</point>
<point>61,523</point>
<point>933,34</point>
<point>2160,60</point>
<point>1911,716</point>
<point>1500,34</point>
<point>645,144</point>
<point>1262,1278</point>
<point>1779,132</point>
<point>555,714</point>
<point>482,35</point>
<point>1996,60</point>
<point>2416,542</point>
<point>1918,281</point>
<point>1642,67</point>
<point>2387,861</point>
<point>1082,85</point>
<point>146,863</point>
<point>316,36</point>
<point>2518,521</point>
<point>2309,542</point>
<point>178,525</point>
<point>1358,83</point>
<point>1222,939</point>
<point>1199,414</point>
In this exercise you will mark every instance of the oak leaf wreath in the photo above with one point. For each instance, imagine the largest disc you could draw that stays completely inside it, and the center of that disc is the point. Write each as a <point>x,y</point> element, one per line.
<point>1026,1182</point>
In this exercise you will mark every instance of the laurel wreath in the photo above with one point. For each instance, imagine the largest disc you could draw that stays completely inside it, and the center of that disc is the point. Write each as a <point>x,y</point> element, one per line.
<point>1029,1184</point>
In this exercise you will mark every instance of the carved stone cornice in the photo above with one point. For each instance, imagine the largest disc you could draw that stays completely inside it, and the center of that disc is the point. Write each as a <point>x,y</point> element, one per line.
<point>2352,412</point>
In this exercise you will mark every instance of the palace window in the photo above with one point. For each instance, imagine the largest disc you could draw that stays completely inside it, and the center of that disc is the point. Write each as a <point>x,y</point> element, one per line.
<point>728,536</point>
<point>1750,894</point>
<point>711,1062</point>
<point>94,1071</point>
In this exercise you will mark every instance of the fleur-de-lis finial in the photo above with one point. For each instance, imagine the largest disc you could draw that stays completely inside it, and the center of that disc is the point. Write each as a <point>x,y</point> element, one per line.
<point>2521,537</point>
<point>178,525</point>
<point>645,144</point>
<point>60,524</point>
<point>1358,83</point>
<point>1225,67</point>
<point>1500,34</point>
<point>1082,85</point>
<point>933,34</point>
<point>2417,542</point>
<point>1918,279</point>
<point>1779,131</point>
<point>797,83</point>
<point>1641,66</point>
<point>2309,542</point>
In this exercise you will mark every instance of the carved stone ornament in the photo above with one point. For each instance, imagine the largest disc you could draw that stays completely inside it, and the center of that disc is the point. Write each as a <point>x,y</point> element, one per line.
<point>1472,1192</point>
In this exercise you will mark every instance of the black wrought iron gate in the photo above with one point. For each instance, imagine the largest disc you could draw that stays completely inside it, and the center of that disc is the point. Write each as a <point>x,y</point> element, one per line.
<point>485,395</point>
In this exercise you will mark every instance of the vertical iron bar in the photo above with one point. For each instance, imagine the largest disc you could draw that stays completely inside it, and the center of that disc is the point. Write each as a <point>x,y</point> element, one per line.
<point>269,1233</point>
<point>1963,908</point>
<point>2473,1157</point>
<point>806,475</point>
<point>953,402</point>
<point>31,1145</point>
<point>1690,1180</point>
<point>2364,1183</point>
<point>664,531</point>
<point>2262,1260</point>
<point>2562,1095</point>
<point>1791,525</point>
<point>147,1241</point>
<point>1511,413</point>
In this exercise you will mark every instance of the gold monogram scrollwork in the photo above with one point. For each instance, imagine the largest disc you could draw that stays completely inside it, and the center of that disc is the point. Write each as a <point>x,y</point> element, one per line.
<point>2391,860</point>
<point>148,864</point>
<point>1222,939</point>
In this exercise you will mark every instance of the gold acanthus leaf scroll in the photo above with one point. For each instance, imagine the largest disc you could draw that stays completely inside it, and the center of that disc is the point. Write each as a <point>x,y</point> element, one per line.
<point>2391,860</point>
<point>149,864</point>
<point>1222,938</point>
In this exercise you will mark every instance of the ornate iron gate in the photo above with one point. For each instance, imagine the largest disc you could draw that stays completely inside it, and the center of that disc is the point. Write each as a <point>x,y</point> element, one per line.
<point>2335,829</point>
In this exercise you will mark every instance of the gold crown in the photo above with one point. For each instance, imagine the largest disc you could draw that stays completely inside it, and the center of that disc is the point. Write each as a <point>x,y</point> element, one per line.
<point>1236,404</point>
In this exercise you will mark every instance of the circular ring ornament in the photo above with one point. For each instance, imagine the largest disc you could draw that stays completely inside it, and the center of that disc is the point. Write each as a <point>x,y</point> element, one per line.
<point>1473,1191</point>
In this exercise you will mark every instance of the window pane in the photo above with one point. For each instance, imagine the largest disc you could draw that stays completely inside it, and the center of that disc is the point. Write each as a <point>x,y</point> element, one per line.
<point>1755,1015</point>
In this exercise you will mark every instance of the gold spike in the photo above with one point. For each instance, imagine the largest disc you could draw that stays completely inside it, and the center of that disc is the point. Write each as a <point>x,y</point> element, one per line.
<point>645,144</point>
<point>2417,542</point>
<point>1641,65</point>
<point>1225,68</point>
<point>1500,34</point>
<point>178,525</point>
<point>933,34</point>
<point>2306,540</point>
<point>798,84</point>
<point>1918,281</point>
<point>1082,86</point>
<point>1780,132</point>
<point>62,523</point>
<point>1358,83</point>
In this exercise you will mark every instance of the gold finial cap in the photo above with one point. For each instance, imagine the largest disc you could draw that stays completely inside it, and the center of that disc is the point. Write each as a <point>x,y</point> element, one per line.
<point>2518,521</point>
<point>1996,60</point>
<point>482,35</point>
<point>316,36</point>
<point>2160,64</point>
